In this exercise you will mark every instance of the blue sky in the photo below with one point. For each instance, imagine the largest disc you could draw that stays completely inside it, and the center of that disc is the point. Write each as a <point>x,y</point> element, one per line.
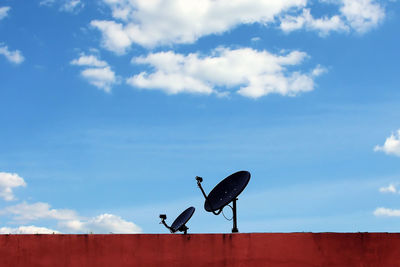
<point>109,109</point>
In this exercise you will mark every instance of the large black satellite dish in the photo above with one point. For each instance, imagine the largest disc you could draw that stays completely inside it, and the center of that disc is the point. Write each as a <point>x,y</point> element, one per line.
<point>224,193</point>
<point>180,221</point>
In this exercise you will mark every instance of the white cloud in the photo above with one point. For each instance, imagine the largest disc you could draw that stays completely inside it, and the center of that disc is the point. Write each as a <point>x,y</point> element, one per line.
<point>152,23</point>
<point>25,212</point>
<point>391,145</point>
<point>8,181</point>
<point>46,2</point>
<point>27,230</point>
<point>252,73</point>
<point>89,60</point>
<point>386,212</point>
<point>102,78</point>
<point>104,223</point>
<point>99,72</point>
<point>359,15</point>
<point>67,219</point>
<point>72,6</point>
<point>362,15</point>
<point>4,11</point>
<point>165,22</point>
<point>318,71</point>
<point>305,20</point>
<point>12,56</point>
<point>389,189</point>
<point>114,36</point>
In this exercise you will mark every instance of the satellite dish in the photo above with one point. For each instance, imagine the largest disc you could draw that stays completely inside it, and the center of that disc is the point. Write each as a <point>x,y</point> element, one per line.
<point>224,193</point>
<point>180,221</point>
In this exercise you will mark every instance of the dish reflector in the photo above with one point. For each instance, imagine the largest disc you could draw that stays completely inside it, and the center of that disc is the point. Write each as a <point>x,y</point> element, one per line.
<point>182,219</point>
<point>226,191</point>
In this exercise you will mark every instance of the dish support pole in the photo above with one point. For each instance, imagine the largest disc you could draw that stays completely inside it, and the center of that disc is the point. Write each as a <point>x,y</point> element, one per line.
<point>234,229</point>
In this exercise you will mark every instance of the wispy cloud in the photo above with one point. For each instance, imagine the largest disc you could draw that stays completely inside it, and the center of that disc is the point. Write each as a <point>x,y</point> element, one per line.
<point>97,72</point>
<point>357,15</point>
<point>25,212</point>
<point>391,145</point>
<point>46,2</point>
<point>389,189</point>
<point>387,212</point>
<point>4,11</point>
<point>392,189</point>
<point>71,6</point>
<point>31,229</point>
<point>104,223</point>
<point>66,219</point>
<point>12,56</point>
<point>69,220</point>
<point>8,181</point>
<point>250,72</point>
<point>305,20</point>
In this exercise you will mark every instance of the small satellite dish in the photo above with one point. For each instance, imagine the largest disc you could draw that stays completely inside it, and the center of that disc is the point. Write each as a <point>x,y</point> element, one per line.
<point>225,192</point>
<point>180,221</point>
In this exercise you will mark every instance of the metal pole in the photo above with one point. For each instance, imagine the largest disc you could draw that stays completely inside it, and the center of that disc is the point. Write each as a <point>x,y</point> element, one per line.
<point>234,229</point>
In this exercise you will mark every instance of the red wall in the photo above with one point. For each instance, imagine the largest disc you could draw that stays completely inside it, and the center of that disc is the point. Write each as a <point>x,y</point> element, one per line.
<point>295,249</point>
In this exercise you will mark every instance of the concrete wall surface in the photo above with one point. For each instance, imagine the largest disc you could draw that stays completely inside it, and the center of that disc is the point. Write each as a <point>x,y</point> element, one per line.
<point>254,249</point>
